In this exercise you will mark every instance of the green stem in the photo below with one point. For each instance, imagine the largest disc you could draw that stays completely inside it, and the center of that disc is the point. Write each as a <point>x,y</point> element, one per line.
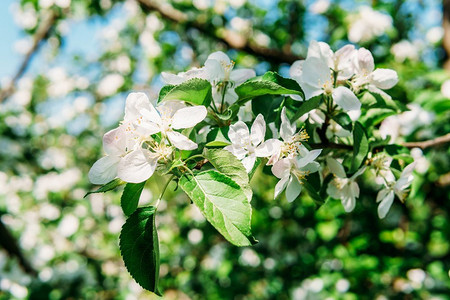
<point>223,96</point>
<point>164,190</point>
<point>194,156</point>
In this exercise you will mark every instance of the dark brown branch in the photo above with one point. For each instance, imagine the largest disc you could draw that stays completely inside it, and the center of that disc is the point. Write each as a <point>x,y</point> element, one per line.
<point>9,243</point>
<point>41,34</point>
<point>229,38</point>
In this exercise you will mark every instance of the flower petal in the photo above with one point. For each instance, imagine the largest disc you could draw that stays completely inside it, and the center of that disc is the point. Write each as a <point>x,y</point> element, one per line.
<point>258,130</point>
<point>114,142</point>
<point>348,202</point>
<point>384,78</point>
<point>293,189</point>
<point>268,148</point>
<point>180,141</point>
<point>315,72</point>
<point>280,186</point>
<point>282,167</point>
<point>309,158</point>
<point>336,168</point>
<point>287,129</point>
<point>345,98</point>
<point>296,70</point>
<point>365,63</point>
<point>237,151</point>
<point>249,162</point>
<point>188,117</point>
<point>240,75</point>
<point>239,133</point>
<point>134,104</point>
<point>137,166</point>
<point>104,170</point>
<point>386,198</point>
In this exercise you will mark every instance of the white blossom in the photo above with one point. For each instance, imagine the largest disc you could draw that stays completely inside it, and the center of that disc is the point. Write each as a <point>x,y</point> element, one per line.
<point>291,172</point>
<point>244,144</point>
<point>366,76</point>
<point>341,187</point>
<point>368,24</point>
<point>386,196</point>
<point>289,147</point>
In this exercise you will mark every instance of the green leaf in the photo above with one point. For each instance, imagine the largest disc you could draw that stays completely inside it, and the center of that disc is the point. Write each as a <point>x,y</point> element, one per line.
<point>222,202</point>
<point>107,187</point>
<point>226,163</point>
<point>375,116</point>
<point>268,106</point>
<point>269,84</point>
<point>360,146</point>
<point>218,137</point>
<point>344,120</point>
<point>252,172</point>
<point>139,247</point>
<point>130,197</point>
<point>307,106</point>
<point>195,91</point>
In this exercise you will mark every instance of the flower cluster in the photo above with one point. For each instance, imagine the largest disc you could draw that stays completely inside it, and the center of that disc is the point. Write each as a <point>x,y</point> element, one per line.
<point>146,137</point>
<point>149,137</point>
<point>340,75</point>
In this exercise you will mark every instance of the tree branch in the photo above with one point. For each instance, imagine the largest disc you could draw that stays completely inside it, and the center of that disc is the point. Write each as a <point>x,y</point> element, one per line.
<point>429,143</point>
<point>41,34</point>
<point>229,38</point>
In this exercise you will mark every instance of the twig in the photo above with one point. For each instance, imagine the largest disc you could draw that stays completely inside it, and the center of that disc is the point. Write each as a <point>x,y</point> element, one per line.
<point>41,34</point>
<point>429,143</point>
<point>229,38</point>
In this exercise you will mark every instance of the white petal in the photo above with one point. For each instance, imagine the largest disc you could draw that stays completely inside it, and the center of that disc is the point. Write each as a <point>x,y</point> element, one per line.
<point>219,56</point>
<point>310,157</point>
<point>188,117</point>
<point>310,90</point>
<point>114,142</point>
<point>173,79</point>
<point>287,129</point>
<point>333,191</point>
<point>386,198</point>
<point>293,189</point>
<point>345,98</point>
<point>180,141</point>
<point>258,130</point>
<point>230,96</point>
<point>348,202</point>
<point>249,162</point>
<point>237,151</point>
<point>150,114</point>
<point>336,168</point>
<point>239,133</point>
<point>137,166</point>
<point>134,104</point>
<point>268,148</point>
<point>241,75</point>
<point>384,78</point>
<point>296,70</point>
<point>321,51</point>
<point>358,173</point>
<point>365,62</point>
<point>214,70</point>
<point>354,189</point>
<point>315,72</point>
<point>104,170</point>
<point>280,186</point>
<point>282,167</point>
<point>311,167</point>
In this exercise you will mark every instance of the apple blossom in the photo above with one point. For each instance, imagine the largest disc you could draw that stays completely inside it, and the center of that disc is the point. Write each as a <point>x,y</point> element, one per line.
<point>366,76</point>
<point>169,116</point>
<point>291,172</point>
<point>219,70</point>
<point>317,79</point>
<point>342,187</point>
<point>244,143</point>
<point>399,188</point>
<point>289,147</point>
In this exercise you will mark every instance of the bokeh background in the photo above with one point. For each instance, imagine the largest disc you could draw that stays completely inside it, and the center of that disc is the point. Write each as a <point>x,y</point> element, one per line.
<point>66,67</point>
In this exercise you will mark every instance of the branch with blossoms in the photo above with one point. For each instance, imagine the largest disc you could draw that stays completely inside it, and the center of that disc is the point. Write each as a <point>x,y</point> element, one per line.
<point>212,127</point>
